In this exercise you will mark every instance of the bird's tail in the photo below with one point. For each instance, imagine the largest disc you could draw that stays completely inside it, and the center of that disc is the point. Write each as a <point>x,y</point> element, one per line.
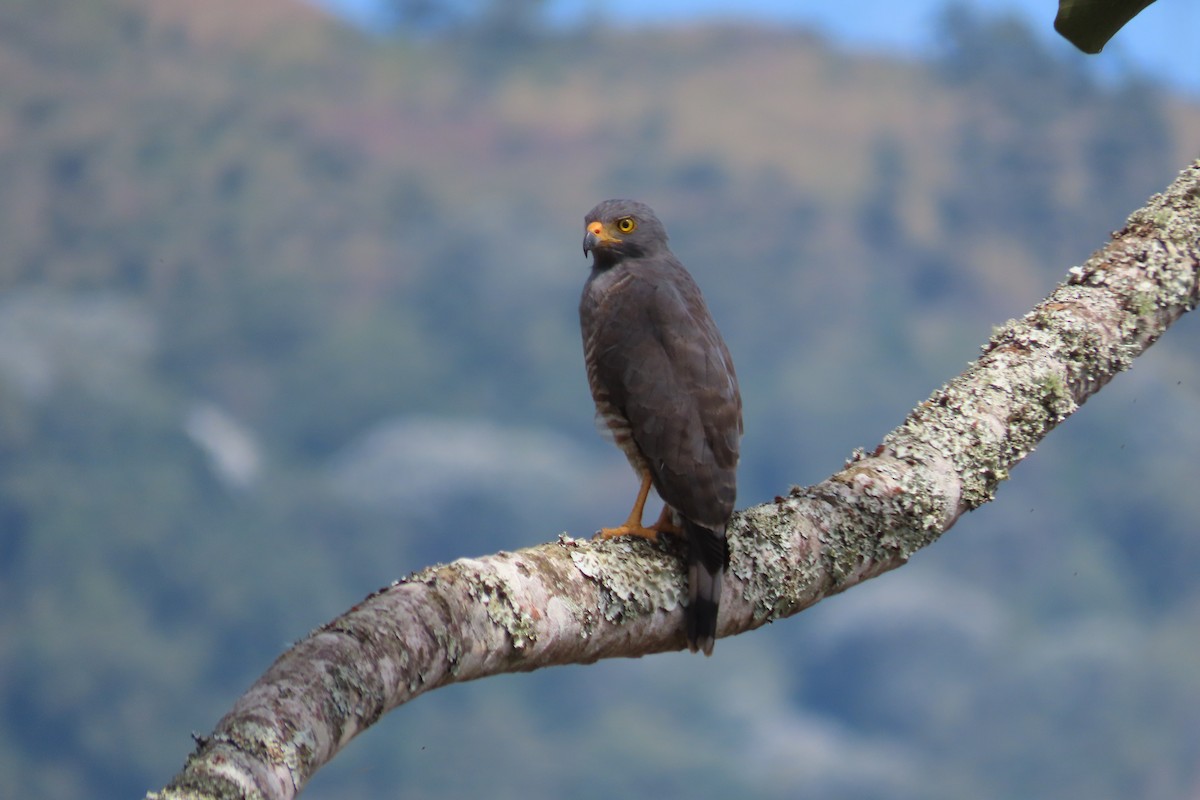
<point>707,557</point>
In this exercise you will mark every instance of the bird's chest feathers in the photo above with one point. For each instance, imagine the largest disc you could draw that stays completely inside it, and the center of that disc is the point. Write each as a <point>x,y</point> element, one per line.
<point>605,287</point>
<point>605,322</point>
<point>619,298</point>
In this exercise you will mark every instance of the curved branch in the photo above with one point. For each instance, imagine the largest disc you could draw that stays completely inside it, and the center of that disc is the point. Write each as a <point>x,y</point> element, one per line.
<point>576,601</point>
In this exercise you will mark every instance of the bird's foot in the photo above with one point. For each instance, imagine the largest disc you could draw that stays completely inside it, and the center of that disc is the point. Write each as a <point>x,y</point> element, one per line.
<point>633,525</point>
<point>665,524</point>
<point>628,530</point>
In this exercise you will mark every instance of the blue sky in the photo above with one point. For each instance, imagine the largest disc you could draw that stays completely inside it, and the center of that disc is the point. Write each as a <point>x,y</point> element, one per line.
<point>1161,41</point>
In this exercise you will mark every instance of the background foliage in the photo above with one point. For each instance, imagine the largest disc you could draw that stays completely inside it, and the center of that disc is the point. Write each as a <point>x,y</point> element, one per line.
<point>287,312</point>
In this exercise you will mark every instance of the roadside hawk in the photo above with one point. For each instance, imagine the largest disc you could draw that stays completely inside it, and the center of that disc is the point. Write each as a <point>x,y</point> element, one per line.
<point>665,388</point>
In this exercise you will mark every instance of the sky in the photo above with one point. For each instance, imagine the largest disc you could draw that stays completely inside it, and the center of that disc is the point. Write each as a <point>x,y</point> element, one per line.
<point>1159,42</point>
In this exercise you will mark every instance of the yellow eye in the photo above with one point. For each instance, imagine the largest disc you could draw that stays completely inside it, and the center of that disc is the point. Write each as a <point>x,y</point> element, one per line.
<point>626,224</point>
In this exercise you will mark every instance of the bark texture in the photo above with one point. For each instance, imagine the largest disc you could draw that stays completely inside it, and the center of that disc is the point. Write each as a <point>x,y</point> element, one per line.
<point>576,601</point>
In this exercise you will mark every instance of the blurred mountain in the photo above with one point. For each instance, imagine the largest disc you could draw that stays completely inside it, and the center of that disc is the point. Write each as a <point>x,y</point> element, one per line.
<point>287,312</point>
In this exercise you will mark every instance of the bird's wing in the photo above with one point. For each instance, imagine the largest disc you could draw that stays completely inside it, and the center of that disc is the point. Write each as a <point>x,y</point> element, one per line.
<point>667,371</point>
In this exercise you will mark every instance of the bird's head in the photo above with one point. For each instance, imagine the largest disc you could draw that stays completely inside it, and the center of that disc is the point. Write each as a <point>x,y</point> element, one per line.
<point>618,229</point>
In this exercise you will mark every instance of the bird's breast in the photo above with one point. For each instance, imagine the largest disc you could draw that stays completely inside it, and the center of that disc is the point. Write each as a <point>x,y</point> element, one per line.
<point>610,421</point>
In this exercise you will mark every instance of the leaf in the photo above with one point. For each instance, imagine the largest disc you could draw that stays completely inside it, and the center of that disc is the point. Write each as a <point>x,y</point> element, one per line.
<point>1089,24</point>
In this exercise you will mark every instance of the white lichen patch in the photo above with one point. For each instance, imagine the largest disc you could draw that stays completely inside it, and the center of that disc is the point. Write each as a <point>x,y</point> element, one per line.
<point>487,584</point>
<point>635,577</point>
<point>264,743</point>
<point>764,542</point>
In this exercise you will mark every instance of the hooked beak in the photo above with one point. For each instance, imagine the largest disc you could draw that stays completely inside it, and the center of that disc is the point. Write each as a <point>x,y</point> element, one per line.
<point>597,236</point>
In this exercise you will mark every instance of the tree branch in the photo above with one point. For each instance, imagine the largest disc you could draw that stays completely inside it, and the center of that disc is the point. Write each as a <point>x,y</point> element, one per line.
<point>577,601</point>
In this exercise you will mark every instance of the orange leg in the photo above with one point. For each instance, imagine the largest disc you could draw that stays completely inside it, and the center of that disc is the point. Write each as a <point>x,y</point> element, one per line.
<point>666,522</point>
<point>633,525</point>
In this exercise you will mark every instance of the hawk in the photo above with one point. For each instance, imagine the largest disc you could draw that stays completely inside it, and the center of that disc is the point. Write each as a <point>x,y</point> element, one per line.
<point>664,386</point>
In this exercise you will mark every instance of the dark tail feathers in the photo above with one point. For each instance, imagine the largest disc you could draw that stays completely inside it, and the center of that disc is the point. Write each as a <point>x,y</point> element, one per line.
<point>707,557</point>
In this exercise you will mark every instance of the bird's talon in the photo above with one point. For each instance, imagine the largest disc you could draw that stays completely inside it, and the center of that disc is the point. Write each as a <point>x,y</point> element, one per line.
<point>627,530</point>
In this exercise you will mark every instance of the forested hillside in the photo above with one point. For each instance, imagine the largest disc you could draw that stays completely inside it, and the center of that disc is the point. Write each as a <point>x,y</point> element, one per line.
<point>288,311</point>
